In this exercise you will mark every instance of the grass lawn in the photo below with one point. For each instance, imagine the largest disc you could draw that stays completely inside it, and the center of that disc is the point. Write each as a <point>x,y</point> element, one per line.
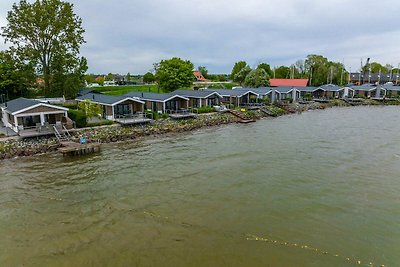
<point>153,88</point>
<point>121,90</point>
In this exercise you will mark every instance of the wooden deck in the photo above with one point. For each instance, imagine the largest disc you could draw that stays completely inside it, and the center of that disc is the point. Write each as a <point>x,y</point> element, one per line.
<point>181,114</point>
<point>131,121</point>
<point>70,148</point>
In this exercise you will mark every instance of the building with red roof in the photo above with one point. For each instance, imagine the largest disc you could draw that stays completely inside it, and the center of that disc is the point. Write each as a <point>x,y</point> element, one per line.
<point>289,82</point>
<point>199,77</point>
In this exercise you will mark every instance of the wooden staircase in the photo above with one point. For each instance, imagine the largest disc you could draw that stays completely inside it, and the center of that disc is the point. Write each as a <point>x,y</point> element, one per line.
<point>267,112</point>
<point>241,116</point>
<point>61,134</point>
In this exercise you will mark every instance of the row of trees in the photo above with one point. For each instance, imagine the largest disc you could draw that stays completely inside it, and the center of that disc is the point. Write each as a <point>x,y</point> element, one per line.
<point>44,40</point>
<point>318,69</point>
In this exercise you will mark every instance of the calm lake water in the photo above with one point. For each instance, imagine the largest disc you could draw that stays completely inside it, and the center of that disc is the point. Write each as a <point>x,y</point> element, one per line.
<point>317,189</point>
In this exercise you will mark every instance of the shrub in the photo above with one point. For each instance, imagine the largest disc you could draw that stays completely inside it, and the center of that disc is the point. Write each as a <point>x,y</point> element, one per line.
<point>100,123</point>
<point>79,117</point>
<point>205,110</point>
<point>70,106</point>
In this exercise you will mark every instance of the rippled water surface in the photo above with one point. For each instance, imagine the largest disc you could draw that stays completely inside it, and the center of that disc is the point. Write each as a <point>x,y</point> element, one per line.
<point>317,189</point>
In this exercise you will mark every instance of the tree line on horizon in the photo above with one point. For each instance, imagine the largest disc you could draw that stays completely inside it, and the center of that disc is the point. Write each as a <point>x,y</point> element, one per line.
<point>44,59</point>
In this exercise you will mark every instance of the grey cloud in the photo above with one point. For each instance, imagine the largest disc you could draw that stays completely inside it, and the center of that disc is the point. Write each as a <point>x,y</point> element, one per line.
<point>131,35</point>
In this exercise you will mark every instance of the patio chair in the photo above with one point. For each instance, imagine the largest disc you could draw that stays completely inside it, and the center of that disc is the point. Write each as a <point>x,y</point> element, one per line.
<point>38,127</point>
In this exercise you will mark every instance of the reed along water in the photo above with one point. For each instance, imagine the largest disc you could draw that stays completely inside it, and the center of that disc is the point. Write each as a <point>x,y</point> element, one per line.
<point>320,188</point>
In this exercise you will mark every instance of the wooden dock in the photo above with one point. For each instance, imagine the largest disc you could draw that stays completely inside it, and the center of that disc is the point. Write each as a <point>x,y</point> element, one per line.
<point>241,116</point>
<point>70,148</point>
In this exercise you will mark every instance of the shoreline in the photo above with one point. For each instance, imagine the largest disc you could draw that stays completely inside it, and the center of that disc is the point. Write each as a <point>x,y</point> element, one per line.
<point>12,148</point>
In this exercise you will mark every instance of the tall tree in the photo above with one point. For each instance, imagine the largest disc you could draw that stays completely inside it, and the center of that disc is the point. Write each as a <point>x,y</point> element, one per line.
<point>257,78</point>
<point>15,76</point>
<point>174,73</point>
<point>46,31</point>
<point>266,67</point>
<point>203,71</point>
<point>237,67</point>
<point>282,72</point>
<point>148,77</point>
<point>241,75</point>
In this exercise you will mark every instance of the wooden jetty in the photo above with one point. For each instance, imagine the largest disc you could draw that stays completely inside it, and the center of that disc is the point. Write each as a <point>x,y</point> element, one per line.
<point>70,148</point>
<point>242,117</point>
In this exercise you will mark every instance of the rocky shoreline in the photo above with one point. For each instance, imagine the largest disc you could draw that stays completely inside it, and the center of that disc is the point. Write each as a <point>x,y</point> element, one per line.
<point>11,148</point>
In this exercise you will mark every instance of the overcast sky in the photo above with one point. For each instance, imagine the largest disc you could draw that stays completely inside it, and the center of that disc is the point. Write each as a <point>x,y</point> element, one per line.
<point>129,35</point>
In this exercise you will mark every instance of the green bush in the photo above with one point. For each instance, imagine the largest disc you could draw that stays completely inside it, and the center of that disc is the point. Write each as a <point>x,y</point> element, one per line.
<point>79,117</point>
<point>100,123</point>
<point>70,106</point>
<point>205,110</point>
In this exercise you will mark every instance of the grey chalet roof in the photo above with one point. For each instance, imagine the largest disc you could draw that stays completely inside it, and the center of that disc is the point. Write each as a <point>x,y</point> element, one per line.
<point>330,87</point>
<point>195,93</point>
<point>391,87</point>
<point>307,89</point>
<point>284,89</point>
<point>20,104</point>
<point>103,99</point>
<point>84,91</point>
<point>364,87</point>
<point>234,93</point>
<point>153,96</point>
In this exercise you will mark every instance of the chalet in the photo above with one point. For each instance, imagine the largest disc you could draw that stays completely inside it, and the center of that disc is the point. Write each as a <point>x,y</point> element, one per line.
<point>161,103</point>
<point>200,98</point>
<point>369,90</point>
<point>26,114</point>
<point>122,109</point>
<point>237,97</point>
<point>392,90</point>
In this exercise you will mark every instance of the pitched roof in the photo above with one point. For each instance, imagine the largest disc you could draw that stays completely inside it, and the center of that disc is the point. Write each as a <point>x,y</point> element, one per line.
<point>288,82</point>
<point>154,96</point>
<point>235,93</point>
<point>330,87</point>
<point>195,93</point>
<point>20,104</point>
<point>364,87</point>
<point>106,99</point>
<point>199,77</point>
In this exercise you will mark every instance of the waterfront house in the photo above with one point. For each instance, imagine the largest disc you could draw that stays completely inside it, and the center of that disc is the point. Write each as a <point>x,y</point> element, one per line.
<point>237,97</point>
<point>287,92</point>
<point>392,90</point>
<point>162,103</point>
<point>369,90</point>
<point>200,98</point>
<point>24,115</point>
<point>122,109</point>
<point>330,91</point>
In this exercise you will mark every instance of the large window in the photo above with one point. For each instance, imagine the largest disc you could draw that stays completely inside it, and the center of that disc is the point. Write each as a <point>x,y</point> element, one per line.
<point>172,105</point>
<point>123,109</point>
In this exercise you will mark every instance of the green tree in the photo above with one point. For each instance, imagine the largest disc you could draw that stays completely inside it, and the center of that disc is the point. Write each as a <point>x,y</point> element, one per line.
<point>174,73</point>
<point>241,75</point>
<point>237,67</point>
<point>203,71</point>
<point>91,109</point>
<point>267,68</point>
<point>15,76</point>
<point>257,78</point>
<point>45,31</point>
<point>148,77</point>
<point>282,72</point>
<point>109,77</point>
